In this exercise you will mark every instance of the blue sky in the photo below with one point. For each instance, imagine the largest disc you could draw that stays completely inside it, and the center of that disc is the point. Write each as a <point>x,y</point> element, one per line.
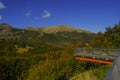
<point>92,15</point>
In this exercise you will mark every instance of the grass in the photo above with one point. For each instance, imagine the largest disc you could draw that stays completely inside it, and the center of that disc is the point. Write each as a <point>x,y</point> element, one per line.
<point>96,74</point>
<point>23,50</point>
<point>88,75</point>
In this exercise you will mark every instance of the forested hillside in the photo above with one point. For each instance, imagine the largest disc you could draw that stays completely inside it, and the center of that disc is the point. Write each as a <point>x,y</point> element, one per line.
<point>36,54</point>
<point>110,38</point>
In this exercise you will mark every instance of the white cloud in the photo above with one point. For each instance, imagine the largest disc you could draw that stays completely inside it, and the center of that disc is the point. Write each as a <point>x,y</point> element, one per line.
<point>36,18</point>
<point>46,14</point>
<point>28,14</point>
<point>1,17</point>
<point>2,6</point>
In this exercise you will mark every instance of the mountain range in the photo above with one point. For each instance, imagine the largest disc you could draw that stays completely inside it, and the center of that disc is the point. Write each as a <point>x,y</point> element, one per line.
<point>60,35</point>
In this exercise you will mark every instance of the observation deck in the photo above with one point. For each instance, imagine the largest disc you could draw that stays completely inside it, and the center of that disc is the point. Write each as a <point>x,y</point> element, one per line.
<point>100,55</point>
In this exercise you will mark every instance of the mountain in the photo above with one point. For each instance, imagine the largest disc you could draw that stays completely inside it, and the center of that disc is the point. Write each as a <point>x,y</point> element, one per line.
<point>9,32</point>
<point>59,28</point>
<point>55,35</point>
<point>24,50</point>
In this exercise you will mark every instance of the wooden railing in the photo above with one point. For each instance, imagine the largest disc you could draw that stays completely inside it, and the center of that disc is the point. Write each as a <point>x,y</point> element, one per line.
<point>97,53</point>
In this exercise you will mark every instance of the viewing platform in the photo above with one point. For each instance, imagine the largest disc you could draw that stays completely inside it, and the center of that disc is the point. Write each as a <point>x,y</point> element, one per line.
<point>100,55</point>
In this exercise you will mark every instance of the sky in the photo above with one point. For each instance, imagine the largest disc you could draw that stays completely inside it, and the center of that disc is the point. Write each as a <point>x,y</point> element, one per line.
<point>91,15</point>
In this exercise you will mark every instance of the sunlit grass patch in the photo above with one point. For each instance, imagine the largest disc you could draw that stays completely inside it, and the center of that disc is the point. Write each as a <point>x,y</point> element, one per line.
<point>23,50</point>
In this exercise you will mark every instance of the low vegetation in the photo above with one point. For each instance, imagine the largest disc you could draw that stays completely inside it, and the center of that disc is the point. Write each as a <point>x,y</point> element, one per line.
<point>95,74</point>
<point>35,55</point>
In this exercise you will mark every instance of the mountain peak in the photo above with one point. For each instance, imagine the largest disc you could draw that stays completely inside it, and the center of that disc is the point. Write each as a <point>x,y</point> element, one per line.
<point>59,28</point>
<point>5,26</point>
<point>62,28</point>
